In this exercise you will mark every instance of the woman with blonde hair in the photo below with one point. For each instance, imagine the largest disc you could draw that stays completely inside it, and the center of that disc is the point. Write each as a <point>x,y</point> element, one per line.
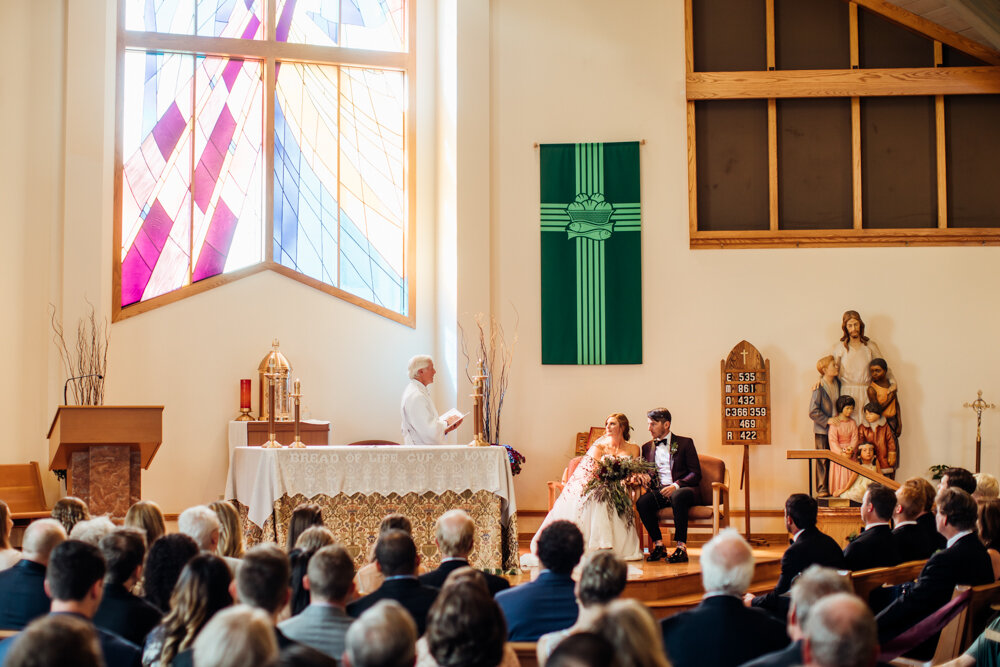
<point>230,529</point>
<point>70,511</point>
<point>146,516</point>
<point>630,629</point>
<point>8,555</point>
<point>201,591</point>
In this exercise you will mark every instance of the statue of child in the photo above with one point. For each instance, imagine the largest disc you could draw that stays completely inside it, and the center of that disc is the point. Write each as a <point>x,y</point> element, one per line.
<point>884,393</point>
<point>879,433</point>
<point>843,437</point>
<point>856,484</point>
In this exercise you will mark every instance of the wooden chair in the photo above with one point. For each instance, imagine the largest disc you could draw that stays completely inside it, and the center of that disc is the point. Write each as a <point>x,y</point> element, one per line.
<point>555,488</point>
<point>369,443</point>
<point>21,489</point>
<point>715,486</point>
<point>527,653</point>
<point>866,581</point>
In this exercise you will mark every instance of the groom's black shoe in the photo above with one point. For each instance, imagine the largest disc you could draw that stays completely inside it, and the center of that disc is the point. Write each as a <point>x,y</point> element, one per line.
<point>658,552</point>
<point>678,556</point>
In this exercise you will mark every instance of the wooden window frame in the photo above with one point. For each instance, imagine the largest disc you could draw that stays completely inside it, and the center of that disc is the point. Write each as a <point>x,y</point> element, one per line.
<point>268,51</point>
<point>853,83</point>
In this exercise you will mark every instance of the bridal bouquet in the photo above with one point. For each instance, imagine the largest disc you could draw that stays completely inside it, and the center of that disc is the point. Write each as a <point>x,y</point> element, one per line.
<point>611,481</point>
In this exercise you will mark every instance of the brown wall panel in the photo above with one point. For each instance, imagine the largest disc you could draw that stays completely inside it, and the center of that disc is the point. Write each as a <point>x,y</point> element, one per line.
<point>898,162</point>
<point>811,34</point>
<point>955,58</point>
<point>814,164</point>
<point>972,134</point>
<point>885,44</point>
<point>731,140</point>
<point>729,35</point>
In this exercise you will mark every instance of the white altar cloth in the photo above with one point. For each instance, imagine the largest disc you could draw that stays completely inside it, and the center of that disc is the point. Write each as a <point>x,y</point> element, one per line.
<point>258,477</point>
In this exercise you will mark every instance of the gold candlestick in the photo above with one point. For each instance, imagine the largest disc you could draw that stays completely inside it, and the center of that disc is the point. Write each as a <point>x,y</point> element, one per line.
<point>296,395</point>
<point>477,409</point>
<point>272,441</point>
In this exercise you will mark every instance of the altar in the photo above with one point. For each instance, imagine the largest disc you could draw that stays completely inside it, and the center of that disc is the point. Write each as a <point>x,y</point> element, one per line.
<point>357,486</point>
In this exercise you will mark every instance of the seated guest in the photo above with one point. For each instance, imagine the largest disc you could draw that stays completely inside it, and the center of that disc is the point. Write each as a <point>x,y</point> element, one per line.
<point>92,531</point>
<point>912,541</point>
<point>70,510</point>
<point>874,546</point>
<point>839,633</point>
<point>630,629</point>
<point>809,546</point>
<point>75,581</point>
<point>368,577</point>
<point>383,636</point>
<point>985,650</point>
<point>691,637</point>
<point>315,538</point>
<point>330,583</point>
<point>964,561</point>
<point>304,516</point>
<point>957,477</point>
<point>812,585</point>
<point>166,558</point>
<point>230,529</point>
<point>397,560</point>
<point>240,636</point>
<point>602,579</point>
<point>582,649</point>
<point>262,582</point>
<point>987,487</point>
<point>455,536</point>
<point>8,554</point>
<point>201,524</point>
<point>298,561</point>
<point>146,516</point>
<point>465,628</point>
<point>121,612</point>
<point>546,604</point>
<point>56,639</point>
<point>928,520</point>
<point>201,592</point>
<point>988,526</point>
<point>22,587</point>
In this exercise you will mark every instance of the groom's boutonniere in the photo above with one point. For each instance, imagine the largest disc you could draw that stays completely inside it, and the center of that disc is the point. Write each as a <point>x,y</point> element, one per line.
<point>673,447</point>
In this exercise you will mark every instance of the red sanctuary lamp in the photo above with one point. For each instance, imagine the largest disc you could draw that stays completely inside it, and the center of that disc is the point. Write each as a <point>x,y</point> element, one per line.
<point>245,415</point>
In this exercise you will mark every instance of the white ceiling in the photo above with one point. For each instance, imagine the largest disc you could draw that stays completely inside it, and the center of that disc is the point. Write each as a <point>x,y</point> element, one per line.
<point>978,20</point>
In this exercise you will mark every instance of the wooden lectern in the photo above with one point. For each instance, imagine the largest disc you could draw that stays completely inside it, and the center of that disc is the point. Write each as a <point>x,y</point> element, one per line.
<point>102,448</point>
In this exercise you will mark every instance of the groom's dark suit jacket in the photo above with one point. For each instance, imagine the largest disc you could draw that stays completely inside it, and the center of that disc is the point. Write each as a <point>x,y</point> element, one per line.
<point>685,468</point>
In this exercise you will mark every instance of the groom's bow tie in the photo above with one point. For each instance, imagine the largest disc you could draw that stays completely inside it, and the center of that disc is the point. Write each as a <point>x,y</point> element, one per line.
<point>665,441</point>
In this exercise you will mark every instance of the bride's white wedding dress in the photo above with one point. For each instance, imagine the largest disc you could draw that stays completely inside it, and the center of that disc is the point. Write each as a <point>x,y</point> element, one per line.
<point>601,528</point>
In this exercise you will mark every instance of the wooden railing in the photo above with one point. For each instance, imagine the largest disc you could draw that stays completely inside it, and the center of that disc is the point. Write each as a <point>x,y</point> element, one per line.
<point>850,464</point>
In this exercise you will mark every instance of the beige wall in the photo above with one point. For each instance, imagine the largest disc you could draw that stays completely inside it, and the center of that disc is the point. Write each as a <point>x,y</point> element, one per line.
<point>495,78</point>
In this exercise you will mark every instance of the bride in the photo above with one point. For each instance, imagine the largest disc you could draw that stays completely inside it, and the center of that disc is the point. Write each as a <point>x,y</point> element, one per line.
<point>601,526</point>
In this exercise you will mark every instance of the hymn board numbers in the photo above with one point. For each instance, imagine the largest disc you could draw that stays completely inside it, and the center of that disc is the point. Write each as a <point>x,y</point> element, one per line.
<point>746,397</point>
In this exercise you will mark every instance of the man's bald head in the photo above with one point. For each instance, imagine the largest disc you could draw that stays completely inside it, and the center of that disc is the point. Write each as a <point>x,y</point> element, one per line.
<point>840,632</point>
<point>40,538</point>
<point>455,534</point>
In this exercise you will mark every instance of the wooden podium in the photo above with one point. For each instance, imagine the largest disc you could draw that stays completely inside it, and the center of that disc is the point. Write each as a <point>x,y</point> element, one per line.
<point>102,448</point>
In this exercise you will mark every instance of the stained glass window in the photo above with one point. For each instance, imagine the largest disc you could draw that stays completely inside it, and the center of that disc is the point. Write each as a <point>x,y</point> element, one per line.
<point>195,201</point>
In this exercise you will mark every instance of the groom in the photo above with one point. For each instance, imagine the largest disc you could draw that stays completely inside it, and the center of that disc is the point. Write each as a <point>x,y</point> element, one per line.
<point>678,475</point>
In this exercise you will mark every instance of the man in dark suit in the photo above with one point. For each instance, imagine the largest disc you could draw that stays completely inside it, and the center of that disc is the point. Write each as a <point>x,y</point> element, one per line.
<point>927,520</point>
<point>74,580</point>
<point>815,583</point>
<point>875,546</point>
<point>912,541</point>
<point>678,474</point>
<point>548,603</point>
<point>397,559</point>
<point>324,623</point>
<point>721,631</point>
<point>22,587</point>
<point>455,536</point>
<point>120,612</point>
<point>964,561</point>
<point>809,546</point>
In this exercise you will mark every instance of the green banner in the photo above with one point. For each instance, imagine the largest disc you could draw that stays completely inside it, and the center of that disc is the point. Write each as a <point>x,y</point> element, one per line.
<point>591,258</point>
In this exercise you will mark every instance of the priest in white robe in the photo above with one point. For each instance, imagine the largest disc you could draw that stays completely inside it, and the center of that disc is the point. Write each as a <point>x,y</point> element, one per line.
<point>421,423</point>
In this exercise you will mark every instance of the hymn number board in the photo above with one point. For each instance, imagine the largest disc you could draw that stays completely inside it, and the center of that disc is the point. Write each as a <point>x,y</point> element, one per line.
<point>746,397</point>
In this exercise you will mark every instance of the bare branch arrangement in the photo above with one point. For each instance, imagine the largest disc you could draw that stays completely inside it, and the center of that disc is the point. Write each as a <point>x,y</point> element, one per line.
<point>497,355</point>
<point>88,356</point>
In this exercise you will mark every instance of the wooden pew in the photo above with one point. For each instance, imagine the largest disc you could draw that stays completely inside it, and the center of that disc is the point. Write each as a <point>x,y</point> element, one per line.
<point>21,489</point>
<point>527,653</point>
<point>865,581</point>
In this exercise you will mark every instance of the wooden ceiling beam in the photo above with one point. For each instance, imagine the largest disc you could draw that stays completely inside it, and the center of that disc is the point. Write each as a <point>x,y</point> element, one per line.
<point>844,83</point>
<point>929,29</point>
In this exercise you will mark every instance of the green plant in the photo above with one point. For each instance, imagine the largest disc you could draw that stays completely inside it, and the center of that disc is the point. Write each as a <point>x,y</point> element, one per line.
<point>937,471</point>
